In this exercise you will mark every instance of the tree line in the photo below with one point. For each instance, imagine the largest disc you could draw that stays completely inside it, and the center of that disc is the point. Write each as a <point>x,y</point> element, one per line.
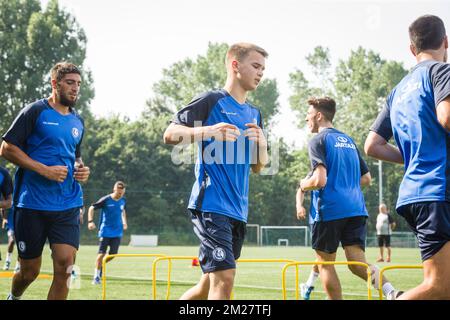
<point>33,39</point>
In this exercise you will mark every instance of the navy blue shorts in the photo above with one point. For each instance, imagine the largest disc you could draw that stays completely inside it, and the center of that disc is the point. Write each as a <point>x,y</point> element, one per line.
<point>221,239</point>
<point>326,235</point>
<point>33,227</point>
<point>430,222</point>
<point>113,244</point>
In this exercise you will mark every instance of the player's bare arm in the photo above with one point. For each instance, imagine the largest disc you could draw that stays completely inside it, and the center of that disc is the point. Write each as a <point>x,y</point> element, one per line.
<point>377,147</point>
<point>299,198</point>
<point>179,134</point>
<point>256,134</point>
<point>15,155</point>
<point>366,179</point>
<point>443,113</point>
<point>82,172</point>
<point>91,224</point>
<point>6,203</point>
<point>124,220</point>
<point>317,180</point>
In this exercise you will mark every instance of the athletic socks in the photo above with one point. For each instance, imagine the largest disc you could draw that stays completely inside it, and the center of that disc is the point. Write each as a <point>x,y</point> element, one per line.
<point>8,256</point>
<point>12,297</point>
<point>312,277</point>
<point>387,288</point>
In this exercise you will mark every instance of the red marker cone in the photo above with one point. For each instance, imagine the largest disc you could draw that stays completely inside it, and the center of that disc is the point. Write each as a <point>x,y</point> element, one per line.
<point>195,262</point>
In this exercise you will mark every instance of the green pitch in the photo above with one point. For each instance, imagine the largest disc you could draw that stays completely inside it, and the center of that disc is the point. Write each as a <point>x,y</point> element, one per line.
<point>131,278</point>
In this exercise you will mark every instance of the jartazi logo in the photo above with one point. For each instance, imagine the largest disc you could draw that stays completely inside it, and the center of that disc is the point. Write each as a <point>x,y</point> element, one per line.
<point>343,143</point>
<point>229,113</point>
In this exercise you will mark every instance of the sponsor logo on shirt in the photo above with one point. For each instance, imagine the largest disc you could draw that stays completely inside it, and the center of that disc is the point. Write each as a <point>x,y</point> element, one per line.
<point>229,113</point>
<point>75,132</point>
<point>51,123</point>
<point>411,86</point>
<point>343,143</point>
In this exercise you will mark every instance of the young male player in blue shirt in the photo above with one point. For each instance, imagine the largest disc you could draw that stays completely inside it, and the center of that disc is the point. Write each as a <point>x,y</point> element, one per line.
<point>229,133</point>
<point>417,114</point>
<point>338,172</point>
<point>112,223</point>
<point>44,142</point>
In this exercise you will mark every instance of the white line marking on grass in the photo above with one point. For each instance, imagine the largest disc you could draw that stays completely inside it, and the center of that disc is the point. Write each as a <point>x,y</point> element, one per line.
<point>193,283</point>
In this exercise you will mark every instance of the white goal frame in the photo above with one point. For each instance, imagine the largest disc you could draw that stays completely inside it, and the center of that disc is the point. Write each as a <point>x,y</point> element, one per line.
<point>258,232</point>
<point>262,228</point>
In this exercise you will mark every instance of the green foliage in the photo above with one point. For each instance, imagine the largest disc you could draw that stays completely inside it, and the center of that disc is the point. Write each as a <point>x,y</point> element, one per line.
<point>31,42</point>
<point>184,80</point>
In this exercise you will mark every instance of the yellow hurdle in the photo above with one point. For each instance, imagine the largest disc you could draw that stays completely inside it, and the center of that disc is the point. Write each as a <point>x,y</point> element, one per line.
<point>357,263</point>
<point>109,257</point>
<point>274,261</point>
<point>169,258</point>
<point>382,270</point>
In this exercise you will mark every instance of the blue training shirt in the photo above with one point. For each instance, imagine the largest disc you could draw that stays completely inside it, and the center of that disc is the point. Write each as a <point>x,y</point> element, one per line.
<point>222,169</point>
<point>410,116</point>
<point>6,186</point>
<point>51,138</point>
<point>6,190</point>
<point>342,196</point>
<point>110,221</point>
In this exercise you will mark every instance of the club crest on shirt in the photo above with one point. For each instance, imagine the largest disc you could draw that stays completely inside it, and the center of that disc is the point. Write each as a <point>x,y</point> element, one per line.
<point>219,254</point>
<point>75,132</point>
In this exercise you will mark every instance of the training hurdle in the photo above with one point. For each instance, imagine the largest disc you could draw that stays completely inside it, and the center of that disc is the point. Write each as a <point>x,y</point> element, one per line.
<point>297,263</point>
<point>10,274</point>
<point>382,270</point>
<point>169,258</point>
<point>109,257</point>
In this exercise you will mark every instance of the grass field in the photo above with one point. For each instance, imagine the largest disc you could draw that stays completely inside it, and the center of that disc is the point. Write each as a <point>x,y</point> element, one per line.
<point>131,278</point>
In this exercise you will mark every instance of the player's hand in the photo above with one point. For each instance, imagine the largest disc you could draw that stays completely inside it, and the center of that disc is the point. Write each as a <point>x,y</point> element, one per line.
<point>125,226</point>
<point>223,132</point>
<point>255,133</point>
<point>91,226</point>
<point>56,173</point>
<point>301,212</point>
<point>82,172</point>
<point>4,222</point>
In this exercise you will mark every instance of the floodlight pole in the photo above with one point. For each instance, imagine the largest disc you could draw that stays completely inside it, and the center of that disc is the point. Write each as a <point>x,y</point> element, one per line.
<point>380,181</point>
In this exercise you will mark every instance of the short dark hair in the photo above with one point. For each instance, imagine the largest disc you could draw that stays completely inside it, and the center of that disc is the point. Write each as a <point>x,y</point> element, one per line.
<point>60,69</point>
<point>427,33</point>
<point>325,105</point>
<point>120,184</point>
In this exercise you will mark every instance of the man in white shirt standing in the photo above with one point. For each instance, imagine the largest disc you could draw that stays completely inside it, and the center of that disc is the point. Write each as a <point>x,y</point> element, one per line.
<point>385,225</point>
